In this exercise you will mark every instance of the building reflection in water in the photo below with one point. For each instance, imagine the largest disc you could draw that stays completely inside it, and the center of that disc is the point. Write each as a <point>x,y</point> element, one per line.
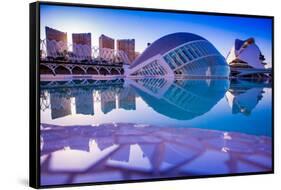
<point>127,99</point>
<point>108,100</point>
<point>243,96</point>
<point>61,102</point>
<point>128,151</point>
<point>84,102</point>
<point>60,105</point>
<point>110,94</point>
<point>180,99</point>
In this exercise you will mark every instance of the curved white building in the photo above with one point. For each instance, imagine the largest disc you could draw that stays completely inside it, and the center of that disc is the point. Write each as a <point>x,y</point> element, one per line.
<point>245,54</point>
<point>180,54</point>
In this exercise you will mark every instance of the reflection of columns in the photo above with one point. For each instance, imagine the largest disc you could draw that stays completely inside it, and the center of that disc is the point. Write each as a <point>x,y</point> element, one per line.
<point>108,101</point>
<point>85,103</point>
<point>60,106</point>
<point>152,86</point>
<point>127,99</point>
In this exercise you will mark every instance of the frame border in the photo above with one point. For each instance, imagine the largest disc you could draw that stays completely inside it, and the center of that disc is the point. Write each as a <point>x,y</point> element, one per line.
<point>34,92</point>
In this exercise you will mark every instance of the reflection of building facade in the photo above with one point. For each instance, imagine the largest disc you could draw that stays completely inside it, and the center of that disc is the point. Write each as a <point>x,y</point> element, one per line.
<point>85,103</point>
<point>56,42</point>
<point>82,46</point>
<point>60,105</point>
<point>108,100</point>
<point>106,45</point>
<point>127,99</point>
<point>128,47</point>
<point>242,98</point>
<point>181,99</point>
<point>180,54</point>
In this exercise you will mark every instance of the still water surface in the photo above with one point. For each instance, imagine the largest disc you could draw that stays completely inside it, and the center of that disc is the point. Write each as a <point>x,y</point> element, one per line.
<point>113,130</point>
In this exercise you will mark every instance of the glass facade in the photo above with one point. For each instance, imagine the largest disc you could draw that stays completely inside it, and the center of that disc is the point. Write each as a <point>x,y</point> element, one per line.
<point>153,84</point>
<point>198,58</point>
<point>151,69</point>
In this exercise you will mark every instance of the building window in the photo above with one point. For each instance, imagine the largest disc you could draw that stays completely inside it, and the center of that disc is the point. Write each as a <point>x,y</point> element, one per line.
<point>175,58</point>
<point>179,53</point>
<point>186,53</point>
<point>196,50</point>
<point>169,61</point>
<point>152,69</point>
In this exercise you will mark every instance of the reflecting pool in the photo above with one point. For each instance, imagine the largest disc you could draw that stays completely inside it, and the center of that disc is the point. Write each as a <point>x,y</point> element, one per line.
<point>112,130</point>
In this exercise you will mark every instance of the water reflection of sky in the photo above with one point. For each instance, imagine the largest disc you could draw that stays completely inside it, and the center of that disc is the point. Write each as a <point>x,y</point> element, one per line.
<point>142,108</point>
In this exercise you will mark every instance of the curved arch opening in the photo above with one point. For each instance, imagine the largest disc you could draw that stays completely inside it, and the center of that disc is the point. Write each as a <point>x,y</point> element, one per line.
<point>45,70</point>
<point>92,71</point>
<point>103,71</point>
<point>78,71</point>
<point>114,72</point>
<point>62,70</point>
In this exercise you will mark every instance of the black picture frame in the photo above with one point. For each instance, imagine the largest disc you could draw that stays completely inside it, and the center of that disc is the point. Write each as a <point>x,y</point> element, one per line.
<point>34,92</point>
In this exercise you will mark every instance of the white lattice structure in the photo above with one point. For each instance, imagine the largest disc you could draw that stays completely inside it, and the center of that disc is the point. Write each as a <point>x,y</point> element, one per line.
<point>80,69</point>
<point>56,49</point>
<point>51,49</point>
<point>81,52</point>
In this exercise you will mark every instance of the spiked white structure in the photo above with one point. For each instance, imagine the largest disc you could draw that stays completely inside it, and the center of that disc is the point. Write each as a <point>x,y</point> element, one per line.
<point>245,54</point>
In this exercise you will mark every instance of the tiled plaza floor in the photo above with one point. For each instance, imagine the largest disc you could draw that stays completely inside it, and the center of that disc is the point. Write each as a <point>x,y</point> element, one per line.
<point>114,152</point>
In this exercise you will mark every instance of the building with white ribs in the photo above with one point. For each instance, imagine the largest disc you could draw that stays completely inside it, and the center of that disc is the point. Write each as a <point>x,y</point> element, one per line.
<point>180,55</point>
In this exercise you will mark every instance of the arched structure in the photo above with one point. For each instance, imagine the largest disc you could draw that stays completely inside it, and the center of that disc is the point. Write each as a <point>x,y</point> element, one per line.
<point>46,70</point>
<point>80,69</point>
<point>180,54</point>
<point>60,69</point>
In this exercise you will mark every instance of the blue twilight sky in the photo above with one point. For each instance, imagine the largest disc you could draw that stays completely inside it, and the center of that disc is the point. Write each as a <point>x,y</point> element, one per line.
<point>147,27</point>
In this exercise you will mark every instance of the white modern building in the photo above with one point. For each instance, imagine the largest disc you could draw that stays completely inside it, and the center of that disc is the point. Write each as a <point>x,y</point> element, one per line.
<point>180,55</point>
<point>245,54</point>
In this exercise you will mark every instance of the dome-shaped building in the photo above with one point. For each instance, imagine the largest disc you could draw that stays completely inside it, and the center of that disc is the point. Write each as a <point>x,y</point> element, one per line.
<point>180,54</point>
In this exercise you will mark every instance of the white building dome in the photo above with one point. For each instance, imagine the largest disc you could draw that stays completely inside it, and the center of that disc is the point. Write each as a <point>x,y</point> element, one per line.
<point>180,54</point>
